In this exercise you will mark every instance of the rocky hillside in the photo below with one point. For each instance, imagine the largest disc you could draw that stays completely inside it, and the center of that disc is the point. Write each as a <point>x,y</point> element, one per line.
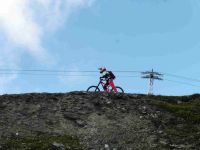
<point>94,121</point>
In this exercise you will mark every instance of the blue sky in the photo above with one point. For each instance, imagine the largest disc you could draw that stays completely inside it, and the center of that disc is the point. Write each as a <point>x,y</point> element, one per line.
<point>86,34</point>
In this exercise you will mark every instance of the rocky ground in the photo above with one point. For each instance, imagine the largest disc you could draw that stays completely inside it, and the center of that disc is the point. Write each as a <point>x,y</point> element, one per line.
<point>80,120</point>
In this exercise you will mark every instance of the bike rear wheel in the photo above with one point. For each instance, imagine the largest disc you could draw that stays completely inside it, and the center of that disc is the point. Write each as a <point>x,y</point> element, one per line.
<point>93,89</point>
<point>119,90</point>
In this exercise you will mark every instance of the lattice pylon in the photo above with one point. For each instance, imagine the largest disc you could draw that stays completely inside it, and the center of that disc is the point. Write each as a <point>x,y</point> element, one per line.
<point>151,75</point>
<point>151,86</point>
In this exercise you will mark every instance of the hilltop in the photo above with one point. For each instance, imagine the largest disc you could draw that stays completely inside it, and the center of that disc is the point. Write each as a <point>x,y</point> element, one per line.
<point>80,120</point>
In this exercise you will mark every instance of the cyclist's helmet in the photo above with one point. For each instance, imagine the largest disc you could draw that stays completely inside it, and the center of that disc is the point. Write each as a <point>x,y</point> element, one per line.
<point>102,69</point>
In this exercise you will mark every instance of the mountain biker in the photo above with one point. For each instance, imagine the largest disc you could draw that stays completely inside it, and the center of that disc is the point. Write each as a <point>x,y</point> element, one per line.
<point>109,77</point>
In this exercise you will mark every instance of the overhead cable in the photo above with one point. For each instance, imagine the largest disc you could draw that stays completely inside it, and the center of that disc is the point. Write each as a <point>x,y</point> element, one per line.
<point>182,77</point>
<point>180,82</point>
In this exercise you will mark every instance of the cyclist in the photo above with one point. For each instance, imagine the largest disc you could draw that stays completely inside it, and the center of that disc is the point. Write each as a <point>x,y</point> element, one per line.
<point>109,77</point>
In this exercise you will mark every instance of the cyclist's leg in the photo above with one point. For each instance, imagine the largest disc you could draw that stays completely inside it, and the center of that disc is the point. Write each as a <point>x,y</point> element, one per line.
<point>105,86</point>
<point>113,86</point>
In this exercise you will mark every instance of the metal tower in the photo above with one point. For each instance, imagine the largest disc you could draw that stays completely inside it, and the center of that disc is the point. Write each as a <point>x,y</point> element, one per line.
<point>152,76</point>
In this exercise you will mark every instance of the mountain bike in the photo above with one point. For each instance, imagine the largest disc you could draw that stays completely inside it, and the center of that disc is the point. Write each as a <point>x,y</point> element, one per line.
<point>102,83</point>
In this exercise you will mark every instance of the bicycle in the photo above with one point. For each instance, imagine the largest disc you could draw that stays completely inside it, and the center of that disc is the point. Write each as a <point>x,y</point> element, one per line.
<point>109,88</point>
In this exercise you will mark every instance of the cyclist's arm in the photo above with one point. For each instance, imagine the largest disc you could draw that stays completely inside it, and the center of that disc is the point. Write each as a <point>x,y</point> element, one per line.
<point>103,77</point>
<point>106,76</point>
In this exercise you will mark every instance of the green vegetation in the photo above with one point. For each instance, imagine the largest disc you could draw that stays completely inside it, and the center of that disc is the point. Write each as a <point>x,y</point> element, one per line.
<point>42,142</point>
<point>186,107</point>
<point>184,126</point>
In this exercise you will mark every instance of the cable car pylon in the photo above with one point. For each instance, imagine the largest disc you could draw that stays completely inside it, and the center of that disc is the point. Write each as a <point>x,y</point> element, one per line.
<point>151,75</point>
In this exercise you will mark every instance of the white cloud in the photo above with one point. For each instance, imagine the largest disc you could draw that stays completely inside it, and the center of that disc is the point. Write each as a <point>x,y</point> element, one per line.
<point>5,81</point>
<point>18,26</point>
<point>24,24</point>
<point>25,21</point>
<point>8,59</point>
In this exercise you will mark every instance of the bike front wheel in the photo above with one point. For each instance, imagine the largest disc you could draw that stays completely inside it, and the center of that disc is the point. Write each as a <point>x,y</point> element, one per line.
<point>93,89</point>
<point>119,90</point>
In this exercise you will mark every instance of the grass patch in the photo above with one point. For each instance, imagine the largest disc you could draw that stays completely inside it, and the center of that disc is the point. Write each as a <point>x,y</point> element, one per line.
<point>42,142</point>
<point>187,109</point>
<point>188,134</point>
<point>180,131</point>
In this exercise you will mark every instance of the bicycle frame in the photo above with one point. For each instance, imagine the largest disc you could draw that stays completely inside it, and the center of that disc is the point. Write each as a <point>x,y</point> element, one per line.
<point>102,84</point>
<point>109,88</point>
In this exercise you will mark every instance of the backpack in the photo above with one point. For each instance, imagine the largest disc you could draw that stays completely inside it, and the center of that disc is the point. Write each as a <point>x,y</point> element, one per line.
<point>111,75</point>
